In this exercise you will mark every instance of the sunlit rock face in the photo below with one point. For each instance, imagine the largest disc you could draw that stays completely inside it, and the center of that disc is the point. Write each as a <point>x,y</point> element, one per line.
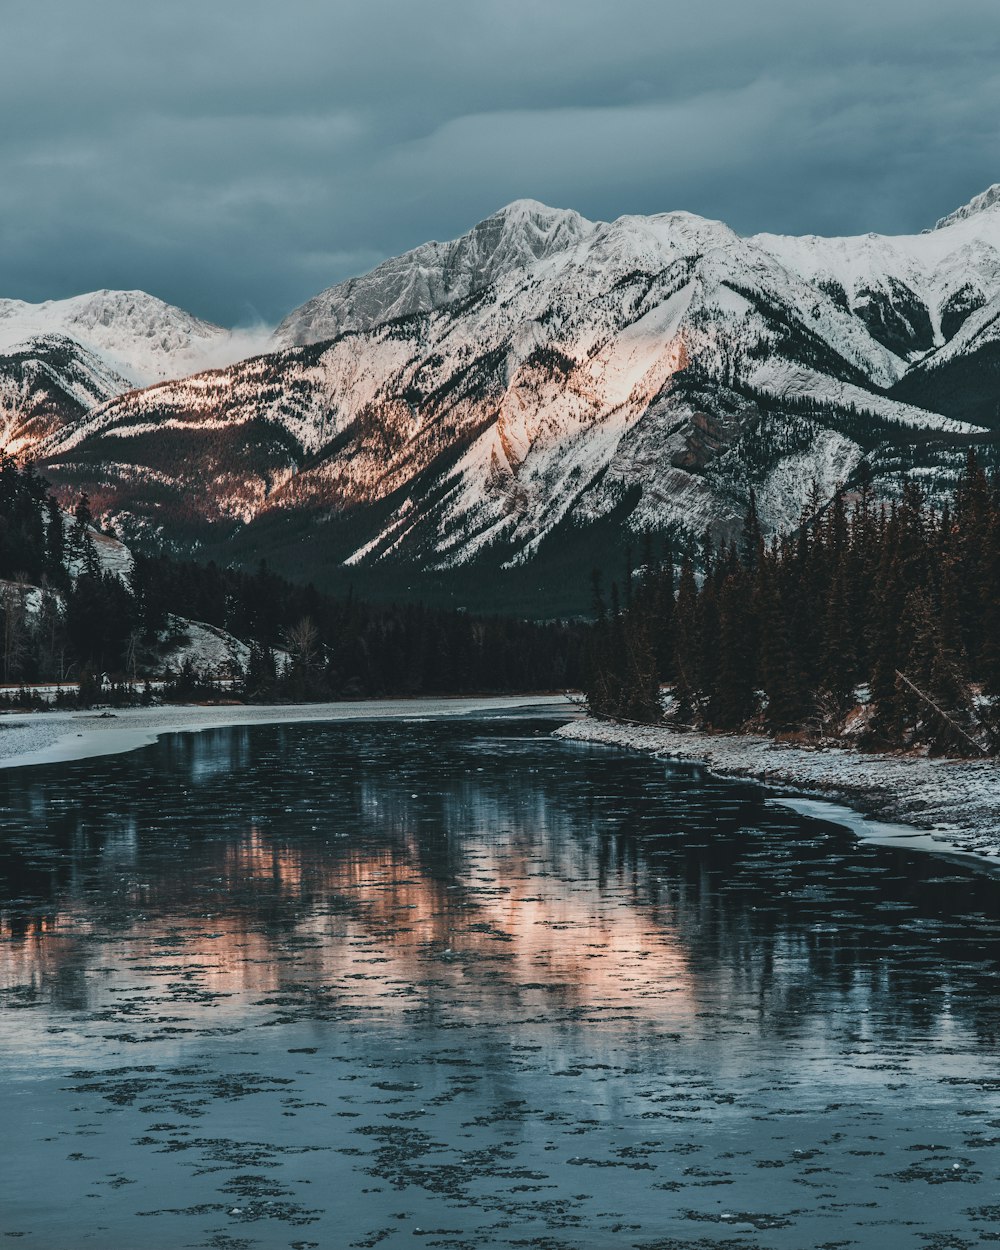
<point>61,359</point>
<point>47,384</point>
<point>544,374</point>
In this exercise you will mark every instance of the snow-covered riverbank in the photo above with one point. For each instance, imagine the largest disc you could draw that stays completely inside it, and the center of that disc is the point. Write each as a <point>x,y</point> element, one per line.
<point>51,737</point>
<point>950,806</point>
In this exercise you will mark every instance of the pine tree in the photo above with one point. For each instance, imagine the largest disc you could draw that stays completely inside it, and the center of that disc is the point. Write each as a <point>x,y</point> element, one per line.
<point>733,700</point>
<point>662,609</point>
<point>687,650</point>
<point>989,650</point>
<point>81,542</point>
<point>751,537</point>
<point>934,693</point>
<point>781,675</point>
<point>838,667</point>
<point>55,542</point>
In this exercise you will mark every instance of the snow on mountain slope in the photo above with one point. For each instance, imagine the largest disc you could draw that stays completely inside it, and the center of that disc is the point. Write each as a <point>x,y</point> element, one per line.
<point>962,378</point>
<point>47,384</point>
<point>137,335</point>
<point>912,291</point>
<point>978,204</point>
<point>544,374</point>
<point>527,246</point>
<point>60,359</point>
<point>436,274</point>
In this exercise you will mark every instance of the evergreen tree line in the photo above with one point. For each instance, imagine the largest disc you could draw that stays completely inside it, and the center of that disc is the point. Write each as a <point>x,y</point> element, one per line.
<point>65,618</point>
<point>882,621</point>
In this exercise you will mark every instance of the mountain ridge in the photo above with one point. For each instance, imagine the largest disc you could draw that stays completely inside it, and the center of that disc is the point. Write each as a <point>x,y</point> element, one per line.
<point>978,204</point>
<point>478,400</point>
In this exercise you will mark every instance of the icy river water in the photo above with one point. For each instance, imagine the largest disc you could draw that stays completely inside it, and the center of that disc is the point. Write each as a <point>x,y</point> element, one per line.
<point>461,984</point>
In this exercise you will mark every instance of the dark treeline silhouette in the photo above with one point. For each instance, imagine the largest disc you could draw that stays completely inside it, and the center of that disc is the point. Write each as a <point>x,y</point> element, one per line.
<point>873,620</point>
<point>64,617</point>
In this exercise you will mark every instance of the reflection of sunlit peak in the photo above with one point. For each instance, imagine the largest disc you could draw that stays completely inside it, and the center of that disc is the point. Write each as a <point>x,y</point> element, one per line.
<point>373,920</point>
<point>257,859</point>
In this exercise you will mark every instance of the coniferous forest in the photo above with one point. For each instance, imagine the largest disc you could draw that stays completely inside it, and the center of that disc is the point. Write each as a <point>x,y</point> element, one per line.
<point>65,618</point>
<point>874,623</point>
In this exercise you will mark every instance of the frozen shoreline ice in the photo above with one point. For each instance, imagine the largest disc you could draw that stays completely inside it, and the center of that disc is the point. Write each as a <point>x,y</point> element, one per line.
<point>55,737</point>
<point>945,806</point>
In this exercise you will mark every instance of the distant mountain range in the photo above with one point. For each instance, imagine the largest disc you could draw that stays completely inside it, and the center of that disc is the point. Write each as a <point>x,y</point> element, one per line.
<point>535,391</point>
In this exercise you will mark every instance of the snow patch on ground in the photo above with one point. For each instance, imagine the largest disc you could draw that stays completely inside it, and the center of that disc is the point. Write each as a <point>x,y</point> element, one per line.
<point>209,648</point>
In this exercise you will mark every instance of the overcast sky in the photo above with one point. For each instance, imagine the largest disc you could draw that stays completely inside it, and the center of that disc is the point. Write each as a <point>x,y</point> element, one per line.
<point>236,156</point>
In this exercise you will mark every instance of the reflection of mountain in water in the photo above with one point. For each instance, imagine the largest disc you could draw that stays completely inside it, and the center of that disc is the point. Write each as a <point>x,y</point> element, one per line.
<point>440,873</point>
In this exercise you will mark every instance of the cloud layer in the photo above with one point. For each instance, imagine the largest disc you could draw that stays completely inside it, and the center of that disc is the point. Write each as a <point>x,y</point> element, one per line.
<point>237,157</point>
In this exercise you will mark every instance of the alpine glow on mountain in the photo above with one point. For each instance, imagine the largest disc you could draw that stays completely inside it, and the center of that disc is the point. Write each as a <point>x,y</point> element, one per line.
<point>542,374</point>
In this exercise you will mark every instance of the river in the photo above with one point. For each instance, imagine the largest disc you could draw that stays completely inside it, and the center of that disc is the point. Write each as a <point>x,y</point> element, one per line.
<point>461,984</point>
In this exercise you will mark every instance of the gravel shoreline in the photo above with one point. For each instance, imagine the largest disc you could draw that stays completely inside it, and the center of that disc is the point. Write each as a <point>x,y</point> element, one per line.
<point>941,805</point>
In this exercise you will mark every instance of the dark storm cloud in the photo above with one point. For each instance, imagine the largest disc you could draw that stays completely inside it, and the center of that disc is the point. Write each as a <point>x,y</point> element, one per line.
<point>236,157</point>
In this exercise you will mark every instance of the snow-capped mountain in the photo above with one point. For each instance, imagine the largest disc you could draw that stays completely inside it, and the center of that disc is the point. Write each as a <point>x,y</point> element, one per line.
<point>912,292</point>
<point>978,204</point>
<point>61,358</point>
<point>47,383</point>
<point>437,274</point>
<point>544,374</point>
<point>137,335</point>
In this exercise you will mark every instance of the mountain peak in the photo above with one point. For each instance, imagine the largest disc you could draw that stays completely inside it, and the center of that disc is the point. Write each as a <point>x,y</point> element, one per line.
<point>437,274</point>
<point>527,212</point>
<point>137,336</point>
<point>978,204</point>
<point>516,234</point>
<point>527,207</point>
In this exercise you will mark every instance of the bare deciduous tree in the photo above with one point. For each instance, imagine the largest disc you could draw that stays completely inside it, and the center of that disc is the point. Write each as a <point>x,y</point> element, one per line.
<point>302,641</point>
